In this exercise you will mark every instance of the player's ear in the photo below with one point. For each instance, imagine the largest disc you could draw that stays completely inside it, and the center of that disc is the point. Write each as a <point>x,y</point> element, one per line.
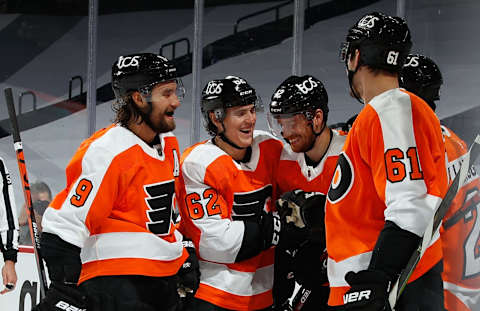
<point>213,117</point>
<point>138,99</point>
<point>353,59</point>
<point>318,120</point>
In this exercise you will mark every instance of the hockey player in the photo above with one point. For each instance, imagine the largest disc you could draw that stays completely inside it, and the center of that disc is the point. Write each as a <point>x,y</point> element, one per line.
<point>228,206</point>
<point>461,273</point>
<point>8,230</point>
<point>298,113</point>
<point>110,230</point>
<point>389,179</point>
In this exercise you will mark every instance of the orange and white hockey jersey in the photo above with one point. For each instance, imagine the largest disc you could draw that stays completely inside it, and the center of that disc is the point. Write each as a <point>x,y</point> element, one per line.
<point>460,234</point>
<point>117,206</point>
<point>392,168</point>
<point>294,173</point>
<point>220,193</point>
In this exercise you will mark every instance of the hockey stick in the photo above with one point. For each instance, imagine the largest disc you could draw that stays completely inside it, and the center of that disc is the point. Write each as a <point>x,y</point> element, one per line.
<point>303,299</point>
<point>435,222</point>
<point>34,234</point>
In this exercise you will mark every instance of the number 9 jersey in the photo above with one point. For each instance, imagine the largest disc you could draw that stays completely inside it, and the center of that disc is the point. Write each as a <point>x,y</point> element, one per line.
<point>461,233</point>
<point>117,206</point>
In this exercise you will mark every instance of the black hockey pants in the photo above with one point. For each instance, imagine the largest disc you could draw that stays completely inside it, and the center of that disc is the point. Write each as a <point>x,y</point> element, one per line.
<point>425,293</point>
<point>202,305</point>
<point>131,292</point>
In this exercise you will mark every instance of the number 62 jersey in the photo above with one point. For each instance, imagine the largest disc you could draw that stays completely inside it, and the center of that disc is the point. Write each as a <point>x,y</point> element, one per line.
<point>221,194</point>
<point>117,206</point>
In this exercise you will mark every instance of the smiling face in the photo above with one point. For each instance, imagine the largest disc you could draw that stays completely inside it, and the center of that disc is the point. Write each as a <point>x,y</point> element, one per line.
<point>238,125</point>
<point>164,100</point>
<point>297,130</point>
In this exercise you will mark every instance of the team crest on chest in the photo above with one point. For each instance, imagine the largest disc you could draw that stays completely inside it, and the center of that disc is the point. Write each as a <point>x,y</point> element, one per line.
<point>342,179</point>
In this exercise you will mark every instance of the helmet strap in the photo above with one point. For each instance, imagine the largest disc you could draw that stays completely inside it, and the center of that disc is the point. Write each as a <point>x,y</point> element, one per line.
<point>316,135</point>
<point>351,73</point>
<point>223,137</point>
<point>228,141</point>
<point>145,116</point>
<point>350,82</point>
<point>432,104</point>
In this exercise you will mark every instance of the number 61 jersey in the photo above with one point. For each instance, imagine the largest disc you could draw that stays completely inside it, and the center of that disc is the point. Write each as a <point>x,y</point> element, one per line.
<point>117,206</point>
<point>392,168</point>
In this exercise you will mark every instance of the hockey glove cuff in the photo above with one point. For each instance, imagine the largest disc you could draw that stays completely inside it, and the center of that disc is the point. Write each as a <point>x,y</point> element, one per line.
<point>61,297</point>
<point>277,232</point>
<point>369,291</point>
<point>189,273</point>
<point>310,265</point>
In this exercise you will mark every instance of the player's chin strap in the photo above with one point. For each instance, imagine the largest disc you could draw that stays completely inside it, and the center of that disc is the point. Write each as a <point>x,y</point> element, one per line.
<point>432,104</point>
<point>351,73</point>
<point>316,135</point>
<point>145,116</point>
<point>228,141</point>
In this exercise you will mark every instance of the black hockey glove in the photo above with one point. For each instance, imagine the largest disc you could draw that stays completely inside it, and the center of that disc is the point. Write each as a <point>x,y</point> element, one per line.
<point>283,278</point>
<point>369,291</point>
<point>303,209</point>
<point>310,265</point>
<point>189,273</point>
<point>62,297</point>
<point>286,306</point>
<point>64,266</point>
<point>277,232</point>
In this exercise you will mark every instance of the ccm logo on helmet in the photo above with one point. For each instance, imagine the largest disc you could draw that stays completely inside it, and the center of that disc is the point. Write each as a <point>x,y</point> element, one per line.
<point>127,61</point>
<point>368,21</point>
<point>356,296</point>
<point>246,92</point>
<point>276,109</point>
<point>342,179</point>
<point>307,85</point>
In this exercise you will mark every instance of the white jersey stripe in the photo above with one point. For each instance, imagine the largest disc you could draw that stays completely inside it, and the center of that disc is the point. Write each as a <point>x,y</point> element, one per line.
<point>119,245</point>
<point>237,282</point>
<point>337,270</point>
<point>470,297</point>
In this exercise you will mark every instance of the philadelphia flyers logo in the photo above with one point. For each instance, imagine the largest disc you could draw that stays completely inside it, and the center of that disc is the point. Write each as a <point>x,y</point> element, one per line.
<point>342,179</point>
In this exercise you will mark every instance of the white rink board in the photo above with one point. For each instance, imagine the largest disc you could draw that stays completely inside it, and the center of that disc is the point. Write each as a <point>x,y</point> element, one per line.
<point>27,290</point>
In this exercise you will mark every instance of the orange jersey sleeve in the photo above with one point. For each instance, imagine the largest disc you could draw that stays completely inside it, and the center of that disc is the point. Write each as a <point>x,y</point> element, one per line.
<point>460,233</point>
<point>392,168</point>
<point>117,206</point>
